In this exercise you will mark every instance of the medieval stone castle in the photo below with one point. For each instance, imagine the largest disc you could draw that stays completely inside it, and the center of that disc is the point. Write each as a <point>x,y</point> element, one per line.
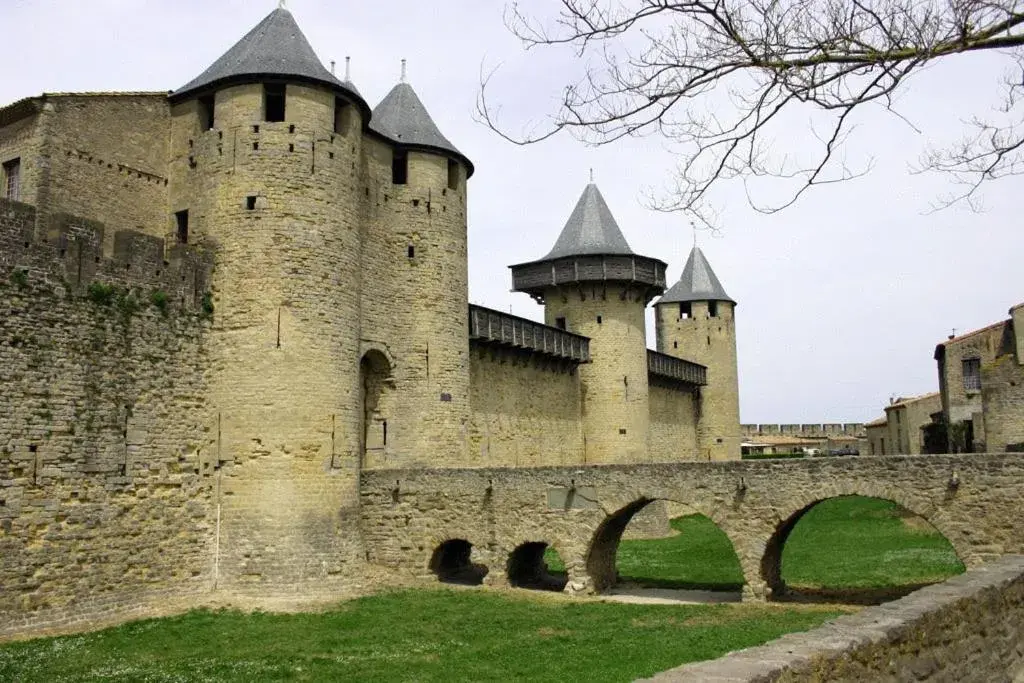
<point>221,305</point>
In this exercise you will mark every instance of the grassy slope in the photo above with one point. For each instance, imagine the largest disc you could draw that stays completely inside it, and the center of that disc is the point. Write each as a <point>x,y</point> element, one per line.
<point>865,542</point>
<point>439,635</point>
<point>848,542</point>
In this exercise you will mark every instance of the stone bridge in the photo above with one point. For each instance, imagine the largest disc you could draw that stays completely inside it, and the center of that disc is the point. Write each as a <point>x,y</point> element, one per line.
<point>498,518</point>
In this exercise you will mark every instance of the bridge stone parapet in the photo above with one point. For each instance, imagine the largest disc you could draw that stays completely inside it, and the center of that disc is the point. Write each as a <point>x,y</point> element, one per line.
<point>972,499</point>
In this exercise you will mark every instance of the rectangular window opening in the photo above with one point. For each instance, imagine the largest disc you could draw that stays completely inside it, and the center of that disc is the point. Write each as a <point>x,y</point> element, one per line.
<point>12,179</point>
<point>972,374</point>
<point>342,116</point>
<point>385,425</point>
<point>685,310</point>
<point>713,309</point>
<point>400,167</point>
<point>599,320</point>
<point>560,323</point>
<point>273,102</point>
<point>411,251</point>
<point>250,203</point>
<point>453,174</point>
<point>181,222</point>
<point>207,112</point>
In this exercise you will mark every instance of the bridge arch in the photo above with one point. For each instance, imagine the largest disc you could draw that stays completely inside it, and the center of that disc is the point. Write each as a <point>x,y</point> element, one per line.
<point>796,507</point>
<point>452,562</point>
<point>527,568</point>
<point>604,545</point>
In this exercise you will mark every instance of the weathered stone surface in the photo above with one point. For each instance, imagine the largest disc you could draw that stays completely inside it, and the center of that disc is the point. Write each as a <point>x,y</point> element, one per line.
<point>406,514</point>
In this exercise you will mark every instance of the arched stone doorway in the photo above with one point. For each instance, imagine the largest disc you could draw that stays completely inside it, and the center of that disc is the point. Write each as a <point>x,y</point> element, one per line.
<point>855,549</point>
<point>694,540</point>
<point>377,389</point>
<point>452,562</point>
<point>528,568</point>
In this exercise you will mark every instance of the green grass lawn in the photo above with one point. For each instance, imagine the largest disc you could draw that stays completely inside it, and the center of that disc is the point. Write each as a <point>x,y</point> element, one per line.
<point>442,635</point>
<point>847,542</point>
<point>854,542</point>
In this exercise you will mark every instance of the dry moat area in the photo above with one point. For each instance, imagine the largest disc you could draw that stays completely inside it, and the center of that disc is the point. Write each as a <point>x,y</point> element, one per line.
<point>849,547</point>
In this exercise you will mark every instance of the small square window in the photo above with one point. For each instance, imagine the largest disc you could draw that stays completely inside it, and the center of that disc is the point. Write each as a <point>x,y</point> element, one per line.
<point>972,374</point>
<point>400,167</point>
<point>207,112</point>
<point>560,323</point>
<point>274,102</point>
<point>250,202</point>
<point>12,179</point>
<point>181,223</point>
<point>453,174</point>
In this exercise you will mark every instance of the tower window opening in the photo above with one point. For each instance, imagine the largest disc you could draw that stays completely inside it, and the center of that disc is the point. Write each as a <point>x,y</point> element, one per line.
<point>560,323</point>
<point>273,102</point>
<point>207,112</point>
<point>255,146</point>
<point>411,251</point>
<point>181,222</point>
<point>599,320</point>
<point>400,167</point>
<point>385,426</point>
<point>712,309</point>
<point>291,128</point>
<point>250,203</point>
<point>685,310</point>
<point>12,179</point>
<point>709,340</point>
<point>453,174</point>
<point>675,345</point>
<point>342,116</point>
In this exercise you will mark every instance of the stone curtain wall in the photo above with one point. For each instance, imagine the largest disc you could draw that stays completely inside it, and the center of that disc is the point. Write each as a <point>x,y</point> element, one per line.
<point>970,628</point>
<point>673,423</point>
<point>406,513</point>
<point>108,159</point>
<point>526,410</point>
<point>106,474</point>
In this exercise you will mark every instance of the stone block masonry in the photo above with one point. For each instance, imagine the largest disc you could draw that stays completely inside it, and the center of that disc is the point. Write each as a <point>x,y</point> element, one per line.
<point>406,514</point>
<point>107,475</point>
<point>970,628</point>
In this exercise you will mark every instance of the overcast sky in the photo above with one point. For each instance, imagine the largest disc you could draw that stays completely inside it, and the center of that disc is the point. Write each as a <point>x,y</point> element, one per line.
<point>842,298</point>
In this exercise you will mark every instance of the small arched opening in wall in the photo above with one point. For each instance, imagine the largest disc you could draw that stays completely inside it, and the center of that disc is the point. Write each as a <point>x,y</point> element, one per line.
<point>664,544</point>
<point>452,563</point>
<point>855,549</point>
<point>537,566</point>
<point>377,389</point>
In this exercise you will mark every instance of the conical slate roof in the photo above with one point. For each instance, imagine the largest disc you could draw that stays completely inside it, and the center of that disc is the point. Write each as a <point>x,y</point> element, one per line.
<point>402,118</point>
<point>591,229</point>
<point>276,47</point>
<point>698,282</point>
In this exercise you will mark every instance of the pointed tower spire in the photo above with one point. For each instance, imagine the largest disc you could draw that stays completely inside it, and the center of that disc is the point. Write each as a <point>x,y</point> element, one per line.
<point>275,48</point>
<point>401,118</point>
<point>698,282</point>
<point>591,229</point>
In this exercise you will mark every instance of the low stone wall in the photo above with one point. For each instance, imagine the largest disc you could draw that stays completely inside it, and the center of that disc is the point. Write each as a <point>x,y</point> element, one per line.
<point>970,628</point>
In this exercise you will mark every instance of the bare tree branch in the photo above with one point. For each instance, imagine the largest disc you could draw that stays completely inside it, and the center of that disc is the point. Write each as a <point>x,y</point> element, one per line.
<point>717,78</point>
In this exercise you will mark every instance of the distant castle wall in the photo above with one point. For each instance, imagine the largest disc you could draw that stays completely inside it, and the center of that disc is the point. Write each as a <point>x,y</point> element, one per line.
<point>107,456</point>
<point>811,431</point>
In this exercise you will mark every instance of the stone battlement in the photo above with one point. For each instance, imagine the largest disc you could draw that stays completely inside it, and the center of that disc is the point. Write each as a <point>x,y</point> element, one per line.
<point>806,430</point>
<point>67,250</point>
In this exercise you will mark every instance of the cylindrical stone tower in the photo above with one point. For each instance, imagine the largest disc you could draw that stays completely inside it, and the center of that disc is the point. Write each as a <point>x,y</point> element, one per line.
<point>592,284</point>
<point>416,294</point>
<point>266,146</point>
<point>695,320</point>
